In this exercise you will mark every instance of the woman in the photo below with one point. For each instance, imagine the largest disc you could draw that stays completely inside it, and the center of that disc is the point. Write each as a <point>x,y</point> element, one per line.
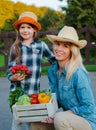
<point>70,81</point>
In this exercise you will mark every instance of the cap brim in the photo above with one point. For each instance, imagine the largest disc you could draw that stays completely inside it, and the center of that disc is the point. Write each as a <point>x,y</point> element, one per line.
<point>80,43</point>
<point>26,20</point>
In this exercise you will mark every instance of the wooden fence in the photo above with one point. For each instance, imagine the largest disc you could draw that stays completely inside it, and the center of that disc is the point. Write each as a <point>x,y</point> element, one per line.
<point>8,38</point>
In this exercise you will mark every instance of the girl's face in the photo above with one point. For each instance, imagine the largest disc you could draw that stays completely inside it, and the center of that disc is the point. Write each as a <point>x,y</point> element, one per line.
<point>26,31</point>
<point>62,51</point>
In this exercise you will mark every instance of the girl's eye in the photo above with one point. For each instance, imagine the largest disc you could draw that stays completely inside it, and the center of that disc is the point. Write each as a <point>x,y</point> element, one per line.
<point>29,27</point>
<point>22,27</point>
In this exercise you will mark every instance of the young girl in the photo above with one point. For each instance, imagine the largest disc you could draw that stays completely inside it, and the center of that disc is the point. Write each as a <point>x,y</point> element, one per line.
<point>70,81</point>
<point>27,50</point>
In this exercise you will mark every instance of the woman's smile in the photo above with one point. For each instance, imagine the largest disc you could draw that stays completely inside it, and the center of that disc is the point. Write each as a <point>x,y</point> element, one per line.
<point>61,51</point>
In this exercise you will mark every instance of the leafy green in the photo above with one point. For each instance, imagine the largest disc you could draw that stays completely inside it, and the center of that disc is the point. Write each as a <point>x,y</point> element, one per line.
<point>47,91</point>
<point>13,96</point>
<point>23,100</point>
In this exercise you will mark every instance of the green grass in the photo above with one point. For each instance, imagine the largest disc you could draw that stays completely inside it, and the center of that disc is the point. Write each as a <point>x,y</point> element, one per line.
<point>45,70</point>
<point>90,67</point>
<point>2,62</point>
<point>3,74</point>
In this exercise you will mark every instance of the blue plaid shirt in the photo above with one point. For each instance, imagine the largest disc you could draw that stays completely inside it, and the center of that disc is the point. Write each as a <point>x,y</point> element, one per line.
<point>31,56</point>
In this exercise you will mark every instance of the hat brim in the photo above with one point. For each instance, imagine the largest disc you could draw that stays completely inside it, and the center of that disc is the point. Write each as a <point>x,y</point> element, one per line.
<point>26,20</point>
<point>80,43</point>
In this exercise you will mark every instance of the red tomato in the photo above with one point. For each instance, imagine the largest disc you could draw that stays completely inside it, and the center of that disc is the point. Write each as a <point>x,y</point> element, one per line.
<point>34,95</point>
<point>34,101</point>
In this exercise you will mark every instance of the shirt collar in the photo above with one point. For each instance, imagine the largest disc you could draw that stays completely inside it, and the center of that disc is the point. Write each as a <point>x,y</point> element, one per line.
<point>55,69</point>
<point>23,44</point>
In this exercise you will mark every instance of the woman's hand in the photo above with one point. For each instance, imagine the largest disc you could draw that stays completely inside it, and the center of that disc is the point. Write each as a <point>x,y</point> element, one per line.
<point>49,120</point>
<point>18,77</point>
<point>69,111</point>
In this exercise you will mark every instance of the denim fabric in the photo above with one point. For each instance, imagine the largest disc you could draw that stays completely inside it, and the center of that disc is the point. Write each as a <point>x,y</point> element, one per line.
<point>75,94</point>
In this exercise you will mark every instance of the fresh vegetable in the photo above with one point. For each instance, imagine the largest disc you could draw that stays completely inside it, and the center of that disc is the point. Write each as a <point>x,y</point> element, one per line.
<point>13,96</point>
<point>48,91</point>
<point>43,97</point>
<point>20,98</point>
<point>34,95</point>
<point>34,101</point>
<point>23,100</point>
<point>22,69</point>
<point>34,98</point>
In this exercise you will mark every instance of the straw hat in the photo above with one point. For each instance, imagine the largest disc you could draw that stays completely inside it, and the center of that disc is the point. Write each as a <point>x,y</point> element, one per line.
<point>68,34</point>
<point>27,17</point>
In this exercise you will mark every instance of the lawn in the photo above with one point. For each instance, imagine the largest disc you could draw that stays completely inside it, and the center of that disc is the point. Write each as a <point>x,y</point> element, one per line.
<point>90,67</point>
<point>1,61</point>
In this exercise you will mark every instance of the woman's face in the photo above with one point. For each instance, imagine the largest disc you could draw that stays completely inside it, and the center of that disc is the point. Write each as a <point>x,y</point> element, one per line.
<point>62,51</point>
<point>26,31</point>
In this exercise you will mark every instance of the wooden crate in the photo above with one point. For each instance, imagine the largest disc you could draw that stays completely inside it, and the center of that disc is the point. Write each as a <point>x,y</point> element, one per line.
<point>35,112</point>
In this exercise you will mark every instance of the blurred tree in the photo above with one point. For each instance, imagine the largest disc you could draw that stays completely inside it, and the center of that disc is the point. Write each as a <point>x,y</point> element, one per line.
<point>52,20</point>
<point>10,11</point>
<point>6,12</point>
<point>80,13</point>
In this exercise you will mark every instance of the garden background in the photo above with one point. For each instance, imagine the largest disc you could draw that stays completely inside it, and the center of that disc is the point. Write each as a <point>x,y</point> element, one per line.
<point>80,14</point>
<point>77,14</point>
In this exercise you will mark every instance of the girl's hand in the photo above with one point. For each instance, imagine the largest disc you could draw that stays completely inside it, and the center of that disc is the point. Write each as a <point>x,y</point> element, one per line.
<point>49,120</point>
<point>18,77</point>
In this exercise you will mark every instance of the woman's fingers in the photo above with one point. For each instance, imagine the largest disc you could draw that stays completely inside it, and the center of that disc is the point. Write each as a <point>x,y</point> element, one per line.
<point>49,120</point>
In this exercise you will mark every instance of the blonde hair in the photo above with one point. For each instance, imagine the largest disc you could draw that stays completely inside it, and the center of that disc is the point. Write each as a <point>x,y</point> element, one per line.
<point>74,62</point>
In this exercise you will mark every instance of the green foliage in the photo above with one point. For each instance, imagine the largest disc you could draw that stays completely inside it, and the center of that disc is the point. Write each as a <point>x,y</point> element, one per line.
<point>6,12</point>
<point>13,96</point>
<point>80,13</point>
<point>93,54</point>
<point>7,27</point>
<point>52,20</point>
<point>10,12</point>
<point>1,44</point>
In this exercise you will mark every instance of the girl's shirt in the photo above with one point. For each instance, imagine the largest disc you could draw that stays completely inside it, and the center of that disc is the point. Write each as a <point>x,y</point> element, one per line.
<point>31,56</point>
<point>75,94</point>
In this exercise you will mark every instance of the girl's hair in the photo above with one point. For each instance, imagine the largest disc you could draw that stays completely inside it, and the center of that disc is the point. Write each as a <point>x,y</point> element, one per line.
<point>15,49</point>
<point>75,61</point>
